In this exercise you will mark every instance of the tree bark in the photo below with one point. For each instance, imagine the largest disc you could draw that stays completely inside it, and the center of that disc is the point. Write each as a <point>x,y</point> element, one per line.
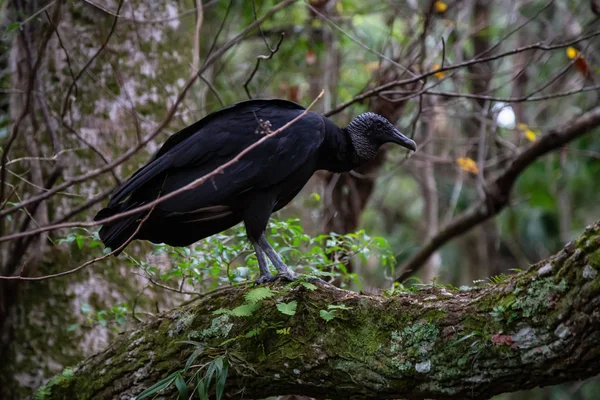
<point>535,328</point>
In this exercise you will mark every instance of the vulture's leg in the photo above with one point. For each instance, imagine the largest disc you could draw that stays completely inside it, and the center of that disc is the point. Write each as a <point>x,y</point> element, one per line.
<point>265,274</point>
<point>282,270</point>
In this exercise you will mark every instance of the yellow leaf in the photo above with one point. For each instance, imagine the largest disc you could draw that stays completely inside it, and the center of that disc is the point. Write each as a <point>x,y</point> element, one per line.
<point>371,66</point>
<point>522,126</point>
<point>439,75</point>
<point>572,52</point>
<point>530,135</point>
<point>440,6</point>
<point>467,164</point>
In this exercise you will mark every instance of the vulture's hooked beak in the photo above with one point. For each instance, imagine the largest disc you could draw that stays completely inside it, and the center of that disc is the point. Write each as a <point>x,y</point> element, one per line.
<point>403,141</point>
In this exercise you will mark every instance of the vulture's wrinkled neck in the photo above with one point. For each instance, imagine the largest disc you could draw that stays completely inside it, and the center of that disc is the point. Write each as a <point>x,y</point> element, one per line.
<point>364,148</point>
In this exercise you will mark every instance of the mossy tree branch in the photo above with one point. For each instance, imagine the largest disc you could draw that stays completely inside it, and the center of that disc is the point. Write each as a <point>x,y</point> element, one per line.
<point>535,328</point>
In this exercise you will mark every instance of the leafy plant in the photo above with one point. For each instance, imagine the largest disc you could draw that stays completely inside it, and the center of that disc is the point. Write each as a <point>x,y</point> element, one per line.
<point>288,308</point>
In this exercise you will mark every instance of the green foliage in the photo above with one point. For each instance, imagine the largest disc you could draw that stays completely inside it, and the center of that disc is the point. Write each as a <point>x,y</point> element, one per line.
<point>82,238</point>
<point>494,280</point>
<point>288,308</point>
<point>328,315</point>
<point>258,294</point>
<point>116,316</point>
<point>199,376</point>
<point>332,311</point>
<point>202,265</point>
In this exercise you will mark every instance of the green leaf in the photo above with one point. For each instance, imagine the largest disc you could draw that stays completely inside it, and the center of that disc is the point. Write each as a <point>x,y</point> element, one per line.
<point>338,307</point>
<point>252,332</point>
<point>158,386</point>
<point>222,311</point>
<point>258,294</point>
<point>308,285</point>
<point>12,27</point>
<point>283,331</point>
<point>288,308</point>
<point>85,308</point>
<point>221,378</point>
<point>462,339</point>
<point>202,390</point>
<point>245,310</point>
<point>192,358</point>
<point>328,315</point>
<point>218,364</point>
<point>181,388</point>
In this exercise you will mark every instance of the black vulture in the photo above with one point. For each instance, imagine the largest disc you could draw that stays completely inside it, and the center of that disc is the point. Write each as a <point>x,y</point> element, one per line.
<point>258,184</point>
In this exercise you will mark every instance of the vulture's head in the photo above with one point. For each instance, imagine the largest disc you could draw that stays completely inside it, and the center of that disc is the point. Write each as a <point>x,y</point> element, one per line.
<point>369,131</point>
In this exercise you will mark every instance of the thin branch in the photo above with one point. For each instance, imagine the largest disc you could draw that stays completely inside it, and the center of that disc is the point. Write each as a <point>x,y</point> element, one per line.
<point>90,61</point>
<point>20,277</point>
<point>526,98</point>
<point>26,106</point>
<point>497,192</point>
<point>262,57</point>
<point>401,82</point>
<point>361,44</point>
<point>161,126</point>
<point>192,185</point>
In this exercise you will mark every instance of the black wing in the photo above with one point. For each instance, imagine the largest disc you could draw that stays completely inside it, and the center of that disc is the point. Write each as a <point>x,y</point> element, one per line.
<point>202,147</point>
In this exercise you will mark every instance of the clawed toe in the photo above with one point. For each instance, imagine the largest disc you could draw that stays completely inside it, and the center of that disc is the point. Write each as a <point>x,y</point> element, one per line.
<point>288,276</point>
<point>264,279</point>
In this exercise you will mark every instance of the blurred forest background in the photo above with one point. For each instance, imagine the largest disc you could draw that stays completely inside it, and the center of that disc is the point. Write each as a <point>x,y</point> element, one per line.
<point>89,89</point>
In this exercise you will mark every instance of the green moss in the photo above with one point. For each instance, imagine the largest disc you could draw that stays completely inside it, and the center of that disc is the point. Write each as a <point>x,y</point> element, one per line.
<point>45,392</point>
<point>434,315</point>
<point>412,344</point>
<point>594,259</point>
<point>538,296</point>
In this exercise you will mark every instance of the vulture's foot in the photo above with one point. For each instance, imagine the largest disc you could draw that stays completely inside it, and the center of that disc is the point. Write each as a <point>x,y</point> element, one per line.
<point>286,275</point>
<point>265,279</point>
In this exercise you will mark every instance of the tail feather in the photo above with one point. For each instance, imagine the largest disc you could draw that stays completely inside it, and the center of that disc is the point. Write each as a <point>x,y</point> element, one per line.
<point>115,234</point>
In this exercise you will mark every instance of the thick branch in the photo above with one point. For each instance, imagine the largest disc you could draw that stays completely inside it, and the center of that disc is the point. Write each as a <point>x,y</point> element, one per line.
<point>539,327</point>
<point>497,192</point>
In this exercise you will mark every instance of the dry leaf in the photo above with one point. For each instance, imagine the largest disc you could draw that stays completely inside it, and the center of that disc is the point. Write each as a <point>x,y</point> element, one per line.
<point>440,6</point>
<point>371,66</point>
<point>310,57</point>
<point>439,75</point>
<point>580,62</point>
<point>468,164</point>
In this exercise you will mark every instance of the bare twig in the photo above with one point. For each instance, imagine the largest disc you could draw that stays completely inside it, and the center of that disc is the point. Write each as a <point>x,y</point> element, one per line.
<point>26,106</point>
<point>498,190</point>
<point>522,99</point>
<point>90,61</point>
<point>20,277</point>
<point>197,182</point>
<point>162,125</point>
<point>535,46</point>
<point>262,57</point>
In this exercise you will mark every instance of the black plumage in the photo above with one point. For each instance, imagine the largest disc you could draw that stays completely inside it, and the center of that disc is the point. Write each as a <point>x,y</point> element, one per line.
<point>260,183</point>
